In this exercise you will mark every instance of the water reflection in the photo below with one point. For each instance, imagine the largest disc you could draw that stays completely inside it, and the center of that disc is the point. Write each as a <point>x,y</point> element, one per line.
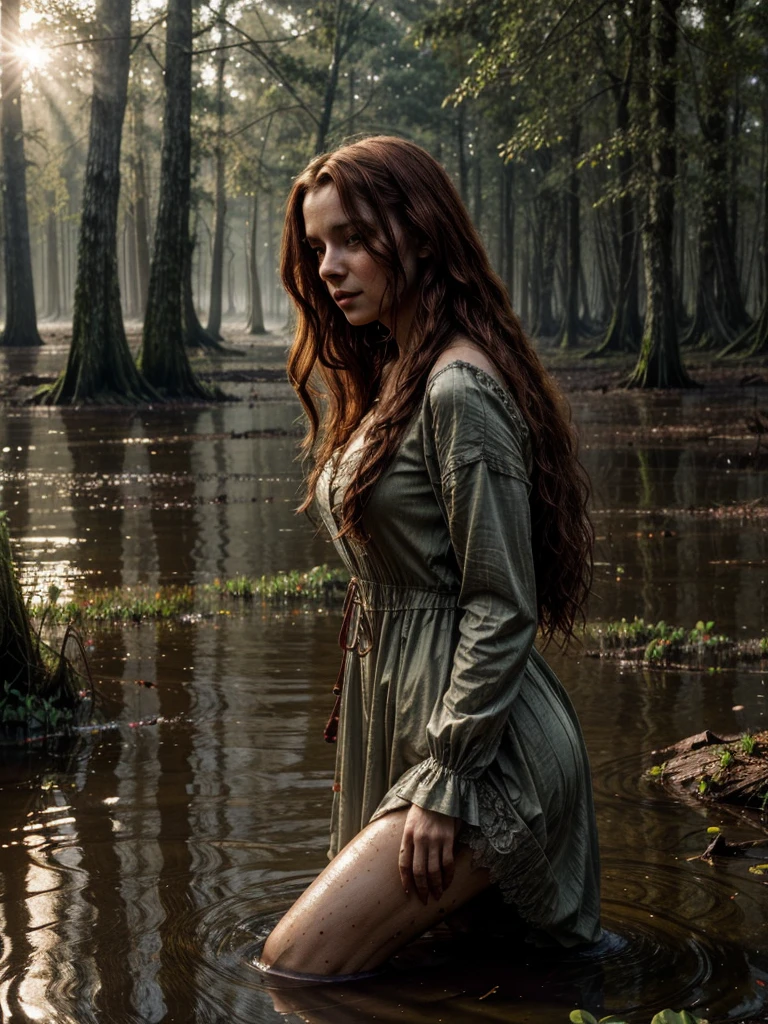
<point>96,495</point>
<point>156,855</point>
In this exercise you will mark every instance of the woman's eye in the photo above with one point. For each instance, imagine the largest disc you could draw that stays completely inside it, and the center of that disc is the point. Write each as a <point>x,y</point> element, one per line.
<point>354,239</point>
<point>318,253</point>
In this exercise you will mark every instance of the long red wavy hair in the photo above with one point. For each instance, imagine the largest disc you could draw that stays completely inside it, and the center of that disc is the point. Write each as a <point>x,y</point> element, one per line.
<point>336,368</point>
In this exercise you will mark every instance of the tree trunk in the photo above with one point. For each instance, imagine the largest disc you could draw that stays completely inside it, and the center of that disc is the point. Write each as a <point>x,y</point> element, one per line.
<point>100,368</point>
<point>140,204</point>
<point>568,335</point>
<point>213,327</point>
<point>164,357</point>
<point>2,267</point>
<point>331,85</point>
<point>256,312</point>
<point>351,103</point>
<point>53,298</point>
<point>720,315</point>
<point>754,340</point>
<point>525,277</point>
<point>195,335</point>
<point>507,230</point>
<point>131,300</point>
<point>659,364</point>
<point>271,254</point>
<point>547,229</point>
<point>23,666</point>
<point>625,327</point>
<point>461,150</point>
<point>21,316</point>
<point>477,191</point>
<point>605,266</point>
<point>231,310</point>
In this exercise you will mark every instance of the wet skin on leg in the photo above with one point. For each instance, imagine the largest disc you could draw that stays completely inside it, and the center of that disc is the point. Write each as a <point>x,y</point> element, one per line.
<point>356,913</point>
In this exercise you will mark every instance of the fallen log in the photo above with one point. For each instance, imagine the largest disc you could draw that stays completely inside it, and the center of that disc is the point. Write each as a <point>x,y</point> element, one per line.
<point>728,770</point>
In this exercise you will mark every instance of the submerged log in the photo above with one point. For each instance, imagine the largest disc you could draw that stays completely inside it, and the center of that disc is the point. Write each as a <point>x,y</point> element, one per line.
<point>730,770</point>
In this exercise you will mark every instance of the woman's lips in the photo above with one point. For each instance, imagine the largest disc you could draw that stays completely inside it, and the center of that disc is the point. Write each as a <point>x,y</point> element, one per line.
<point>344,298</point>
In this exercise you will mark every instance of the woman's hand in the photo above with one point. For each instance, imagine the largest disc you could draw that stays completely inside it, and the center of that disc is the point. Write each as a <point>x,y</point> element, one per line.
<point>426,853</point>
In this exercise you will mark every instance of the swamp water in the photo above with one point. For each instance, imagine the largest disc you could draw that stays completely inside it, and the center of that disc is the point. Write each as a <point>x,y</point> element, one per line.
<point>141,865</point>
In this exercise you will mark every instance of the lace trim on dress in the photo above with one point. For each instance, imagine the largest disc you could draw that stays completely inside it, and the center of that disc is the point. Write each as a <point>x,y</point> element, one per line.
<point>500,839</point>
<point>508,850</point>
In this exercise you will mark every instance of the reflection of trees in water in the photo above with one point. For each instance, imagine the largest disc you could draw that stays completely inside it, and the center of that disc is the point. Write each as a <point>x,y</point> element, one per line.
<point>109,936</point>
<point>657,556</point>
<point>176,653</point>
<point>45,910</point>
<point>15,499</point>
<point>217,549</point>
<point>97,492</point>
<point>173,506</point>
<point>137,844</point>
<point>16,920</point>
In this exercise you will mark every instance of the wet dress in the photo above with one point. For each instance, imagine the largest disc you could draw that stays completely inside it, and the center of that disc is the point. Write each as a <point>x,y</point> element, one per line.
<point>446,703</point>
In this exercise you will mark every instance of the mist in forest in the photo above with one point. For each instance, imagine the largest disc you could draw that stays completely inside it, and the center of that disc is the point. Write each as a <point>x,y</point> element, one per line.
<point>612,155</point>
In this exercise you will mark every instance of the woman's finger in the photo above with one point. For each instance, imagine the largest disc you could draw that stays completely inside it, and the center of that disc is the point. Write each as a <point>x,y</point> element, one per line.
<point>419,869</point>
<point>434,870</point>
<point>405,863</point>
<point>448,862</point>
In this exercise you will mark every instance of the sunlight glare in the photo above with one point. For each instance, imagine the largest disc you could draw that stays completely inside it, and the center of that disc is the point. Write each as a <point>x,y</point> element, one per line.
<point>32,56</point>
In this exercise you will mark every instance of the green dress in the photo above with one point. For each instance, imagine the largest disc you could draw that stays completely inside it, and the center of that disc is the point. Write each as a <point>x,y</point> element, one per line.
<point>446,703</point>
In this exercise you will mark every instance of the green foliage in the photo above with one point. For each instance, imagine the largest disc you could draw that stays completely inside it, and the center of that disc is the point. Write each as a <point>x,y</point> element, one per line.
<point>748,743</point>
<point>660,643</point>
<point>33,710</point>
<point>663,1017</point>
<point>128,604</point>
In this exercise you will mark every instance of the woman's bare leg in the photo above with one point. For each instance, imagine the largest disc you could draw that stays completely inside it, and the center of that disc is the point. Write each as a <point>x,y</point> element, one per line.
<point>356,914</point>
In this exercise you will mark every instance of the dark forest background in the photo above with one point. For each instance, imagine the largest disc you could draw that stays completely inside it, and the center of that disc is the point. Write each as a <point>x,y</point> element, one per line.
<point>613,156</point>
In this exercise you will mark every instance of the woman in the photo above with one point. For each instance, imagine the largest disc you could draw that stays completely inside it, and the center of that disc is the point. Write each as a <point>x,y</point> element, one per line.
<point>445,469</point>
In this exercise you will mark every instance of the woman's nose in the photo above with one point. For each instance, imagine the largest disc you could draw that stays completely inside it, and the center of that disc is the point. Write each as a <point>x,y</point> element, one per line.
<point>331,265</point>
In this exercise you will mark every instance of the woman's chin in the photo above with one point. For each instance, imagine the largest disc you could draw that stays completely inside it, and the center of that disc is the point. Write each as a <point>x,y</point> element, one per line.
<point>360,317</point>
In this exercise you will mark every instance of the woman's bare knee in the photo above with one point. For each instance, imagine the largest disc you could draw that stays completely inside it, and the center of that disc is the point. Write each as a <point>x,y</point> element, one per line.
<point>356,913</point>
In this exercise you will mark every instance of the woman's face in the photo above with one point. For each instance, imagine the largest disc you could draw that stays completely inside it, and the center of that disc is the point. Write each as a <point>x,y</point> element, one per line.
<point>355,281</point>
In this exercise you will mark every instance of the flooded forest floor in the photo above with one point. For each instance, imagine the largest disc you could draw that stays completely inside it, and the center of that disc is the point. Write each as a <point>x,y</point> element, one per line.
<point>143,859</point>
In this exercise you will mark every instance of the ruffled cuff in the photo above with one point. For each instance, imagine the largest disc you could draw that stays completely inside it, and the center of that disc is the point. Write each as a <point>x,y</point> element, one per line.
<point>435,787</point>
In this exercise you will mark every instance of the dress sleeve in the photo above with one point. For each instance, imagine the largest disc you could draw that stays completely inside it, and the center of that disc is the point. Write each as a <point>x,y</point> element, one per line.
<point>476,440</point>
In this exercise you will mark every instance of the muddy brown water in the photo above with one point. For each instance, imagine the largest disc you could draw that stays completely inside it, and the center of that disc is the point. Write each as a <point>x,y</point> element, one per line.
<point>141,865</point>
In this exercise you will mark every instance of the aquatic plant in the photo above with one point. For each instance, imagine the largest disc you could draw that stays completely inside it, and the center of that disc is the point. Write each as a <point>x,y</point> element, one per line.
<point>121,604</point>
<point>319,582</point>
<point>660,644</point>
<point>39,688</point>
<point>138,604</point>
<point>663,1017</point>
